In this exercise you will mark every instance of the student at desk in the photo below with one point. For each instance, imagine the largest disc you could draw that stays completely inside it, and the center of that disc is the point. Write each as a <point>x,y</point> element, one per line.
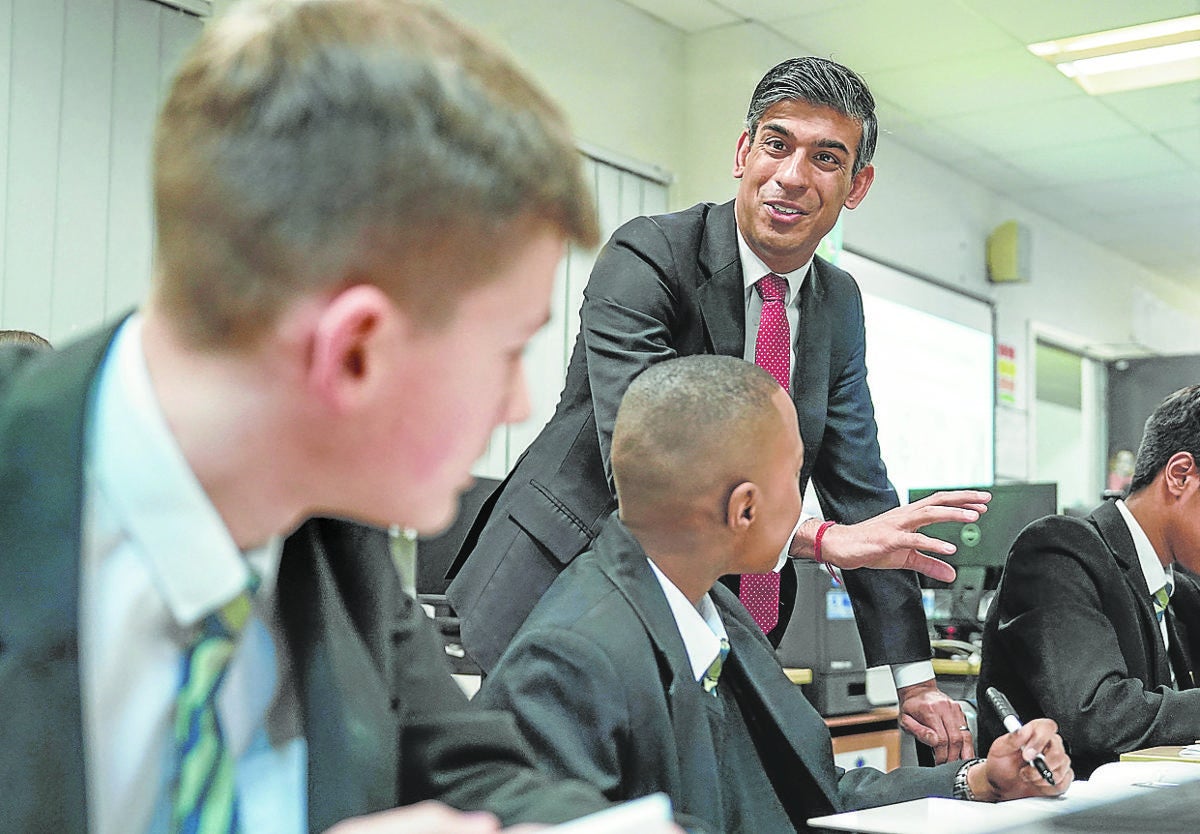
<point>639,672</point>
<point>346,193</point>
<point>1092,625</point>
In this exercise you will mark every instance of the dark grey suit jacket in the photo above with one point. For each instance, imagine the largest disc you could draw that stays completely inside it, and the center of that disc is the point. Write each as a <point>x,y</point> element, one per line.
<point>599,681</point>
<point>662,287</point>
<point>385,723</point>
<point>1072,635</point>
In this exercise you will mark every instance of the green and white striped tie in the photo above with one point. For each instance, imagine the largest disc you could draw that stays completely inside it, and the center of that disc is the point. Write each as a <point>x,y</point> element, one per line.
<point>203,791</point>
<point>1161,599</point>
<point>713,672</point>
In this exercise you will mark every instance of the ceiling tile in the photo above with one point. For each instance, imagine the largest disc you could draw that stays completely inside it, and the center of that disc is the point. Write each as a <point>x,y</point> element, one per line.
<point>999,175</point>
<point>1044,124</point>
<point>975,84</point>
<point>885,34</point>
<point>1133,156</point>
<point>898,126</point>
<point>1157,108</point>
<point>1040,20</point>
<point>954,83</point>
<point>1118,196</point>
<point>1144,237</point>
<point>1186,143</point>
<point>686,15</point>
<point>772,10</point>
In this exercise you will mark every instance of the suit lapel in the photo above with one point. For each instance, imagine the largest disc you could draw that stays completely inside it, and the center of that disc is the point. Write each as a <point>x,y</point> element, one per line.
<point>1180,654</point>
<point>1117,538</point>
<point>791,723</point>
<point>41,500</point>
<point>342,675</point>
<point>624,562</point>
<point>810,379</point>
<point>722,295</point>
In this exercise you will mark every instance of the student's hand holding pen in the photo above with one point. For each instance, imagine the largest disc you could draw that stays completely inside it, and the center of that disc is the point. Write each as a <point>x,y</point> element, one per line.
<point>1007,772</point>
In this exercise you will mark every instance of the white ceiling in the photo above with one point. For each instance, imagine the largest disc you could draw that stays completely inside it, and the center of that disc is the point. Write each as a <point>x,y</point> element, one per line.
<point>954,82</point>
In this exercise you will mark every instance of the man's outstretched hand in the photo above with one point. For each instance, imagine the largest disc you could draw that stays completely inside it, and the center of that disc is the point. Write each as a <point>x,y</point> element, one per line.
<point>890,540</point>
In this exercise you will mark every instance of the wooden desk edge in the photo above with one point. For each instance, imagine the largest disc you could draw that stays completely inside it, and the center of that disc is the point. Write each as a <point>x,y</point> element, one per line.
<point>950,666</point>
<point>798,676</point>
<point>1164,753</point>
<point>878,714</point>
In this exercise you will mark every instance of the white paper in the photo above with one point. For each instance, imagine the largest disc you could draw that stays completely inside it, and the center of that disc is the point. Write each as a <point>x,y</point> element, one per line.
<point>621,819</point>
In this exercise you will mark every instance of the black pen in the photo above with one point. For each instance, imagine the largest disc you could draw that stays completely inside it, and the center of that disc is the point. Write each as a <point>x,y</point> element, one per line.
<point>1008,717</point>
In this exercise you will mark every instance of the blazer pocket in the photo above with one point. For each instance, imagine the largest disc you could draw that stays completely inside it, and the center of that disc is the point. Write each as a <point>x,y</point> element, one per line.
<point>550,522</point>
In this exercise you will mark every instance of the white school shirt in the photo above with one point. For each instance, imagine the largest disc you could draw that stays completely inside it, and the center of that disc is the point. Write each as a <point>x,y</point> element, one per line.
<point>1156,575</point>
<point>156,560</point>
<point>699,626</point>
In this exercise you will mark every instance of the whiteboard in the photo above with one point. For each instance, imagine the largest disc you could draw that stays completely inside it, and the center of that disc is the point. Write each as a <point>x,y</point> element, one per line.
<point>930,368</point>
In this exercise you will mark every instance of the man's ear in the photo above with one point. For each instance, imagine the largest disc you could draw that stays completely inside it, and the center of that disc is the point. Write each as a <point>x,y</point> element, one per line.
<point>1179,471</point>
<point>860,186</point>
<point>345,345</point>
<point>739,157</point>
<point>741,511</point>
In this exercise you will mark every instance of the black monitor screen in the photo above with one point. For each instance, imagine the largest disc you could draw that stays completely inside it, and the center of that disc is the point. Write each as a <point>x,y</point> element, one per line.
<point>985,543</point>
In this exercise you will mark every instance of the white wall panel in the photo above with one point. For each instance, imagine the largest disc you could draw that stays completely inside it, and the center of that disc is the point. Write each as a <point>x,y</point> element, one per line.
<point>579,266</point>
<point>35,111</point>
<point>6,22</point>
<point>135,103</point>
<point>80,83</point>
<point>81,207</point>
<point>177,30</point>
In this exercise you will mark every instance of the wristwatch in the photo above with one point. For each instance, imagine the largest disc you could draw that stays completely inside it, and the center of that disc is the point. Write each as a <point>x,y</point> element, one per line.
<point>962,788</point>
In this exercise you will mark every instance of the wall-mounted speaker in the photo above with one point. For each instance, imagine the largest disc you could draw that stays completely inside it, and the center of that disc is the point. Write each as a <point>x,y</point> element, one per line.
<point>1008,253</point>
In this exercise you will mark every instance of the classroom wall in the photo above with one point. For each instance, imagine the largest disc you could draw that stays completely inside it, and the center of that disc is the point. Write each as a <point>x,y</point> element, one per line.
<point>920,216</point>
<point>616,71</point>
<point>80,82</point>
<point>84,77</point>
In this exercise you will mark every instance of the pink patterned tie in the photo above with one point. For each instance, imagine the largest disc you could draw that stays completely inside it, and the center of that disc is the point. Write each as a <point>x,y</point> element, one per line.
<point>759,592</point>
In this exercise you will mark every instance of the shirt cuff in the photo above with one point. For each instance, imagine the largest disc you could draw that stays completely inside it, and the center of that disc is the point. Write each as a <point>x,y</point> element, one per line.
<point>783,556</point>
<point>906,674</point>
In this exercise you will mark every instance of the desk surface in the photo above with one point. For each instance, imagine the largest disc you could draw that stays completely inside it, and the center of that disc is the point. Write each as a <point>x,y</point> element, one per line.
<point>798,676</point>
<point>869,717</point>
<point>1160,754</point>
<point>956,666</point>
<point>1114,781</point>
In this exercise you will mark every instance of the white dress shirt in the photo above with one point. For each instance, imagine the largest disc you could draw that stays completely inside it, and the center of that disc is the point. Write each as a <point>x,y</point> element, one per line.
<point>1156,575</point>
<point>753,269</point>
<point>699,626</point>
<point>157,559</point>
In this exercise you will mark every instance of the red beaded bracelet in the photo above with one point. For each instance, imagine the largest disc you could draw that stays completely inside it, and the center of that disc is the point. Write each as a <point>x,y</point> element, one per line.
<point>825,525</point>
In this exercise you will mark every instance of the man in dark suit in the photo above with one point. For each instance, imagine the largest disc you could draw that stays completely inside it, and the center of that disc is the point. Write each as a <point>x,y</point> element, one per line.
<point>346,191</point>
<point>683,284</point>
<point>639,672</point>
<point>1094,625</point>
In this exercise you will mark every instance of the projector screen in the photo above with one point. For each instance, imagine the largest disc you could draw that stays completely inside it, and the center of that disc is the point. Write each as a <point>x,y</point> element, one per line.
<point>930,367</point>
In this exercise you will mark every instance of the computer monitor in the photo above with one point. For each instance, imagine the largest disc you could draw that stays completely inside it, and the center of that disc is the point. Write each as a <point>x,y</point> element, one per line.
<point>985,543</point>
<point>955,608</point>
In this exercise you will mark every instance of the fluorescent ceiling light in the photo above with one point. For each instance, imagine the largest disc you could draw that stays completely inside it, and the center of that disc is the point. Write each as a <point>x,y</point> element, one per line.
<point>1131,58</point>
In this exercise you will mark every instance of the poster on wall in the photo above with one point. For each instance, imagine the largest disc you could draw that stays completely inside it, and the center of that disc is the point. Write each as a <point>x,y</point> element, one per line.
<point>1006,374</point>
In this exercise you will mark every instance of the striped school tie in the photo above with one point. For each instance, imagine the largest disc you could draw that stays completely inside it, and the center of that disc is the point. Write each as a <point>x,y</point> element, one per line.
<point>1162,598</point>
<point>203,791</point>
<point>713,672</point>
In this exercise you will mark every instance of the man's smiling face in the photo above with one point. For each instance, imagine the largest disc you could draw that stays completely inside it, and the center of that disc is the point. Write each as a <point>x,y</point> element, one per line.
<point>795,177</point>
